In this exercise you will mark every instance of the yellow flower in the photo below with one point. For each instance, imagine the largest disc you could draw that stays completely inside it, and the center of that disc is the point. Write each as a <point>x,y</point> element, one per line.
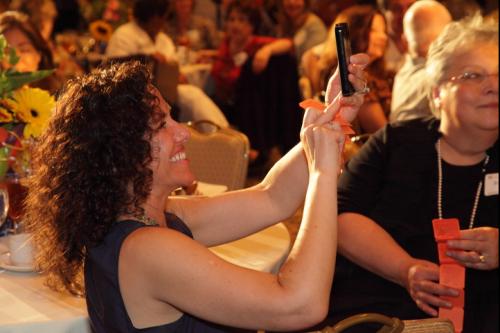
<point>101,30</point>
<point>34,107</point>
<point>5,115</point>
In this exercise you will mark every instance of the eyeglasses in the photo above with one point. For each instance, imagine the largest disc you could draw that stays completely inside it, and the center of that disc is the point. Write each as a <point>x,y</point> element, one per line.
<point>472,77</point>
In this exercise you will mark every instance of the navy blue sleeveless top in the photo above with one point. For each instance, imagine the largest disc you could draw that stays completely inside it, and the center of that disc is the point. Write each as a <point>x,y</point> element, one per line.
<point>104,301</point>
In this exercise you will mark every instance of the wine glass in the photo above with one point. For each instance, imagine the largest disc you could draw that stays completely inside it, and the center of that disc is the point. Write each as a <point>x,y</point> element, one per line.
<point>4,205</point>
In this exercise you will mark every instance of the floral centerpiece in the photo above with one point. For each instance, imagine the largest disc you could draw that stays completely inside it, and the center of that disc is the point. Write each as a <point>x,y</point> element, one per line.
<point>24,112</point>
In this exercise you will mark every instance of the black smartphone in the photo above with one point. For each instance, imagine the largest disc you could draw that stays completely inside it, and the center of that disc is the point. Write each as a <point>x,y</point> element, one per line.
<point>343,54</point>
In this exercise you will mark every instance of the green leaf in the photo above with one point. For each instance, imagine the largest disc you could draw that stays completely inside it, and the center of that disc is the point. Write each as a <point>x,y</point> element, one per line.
<point>3,45</point>
<point>13,80</point>
<point>13,58</point>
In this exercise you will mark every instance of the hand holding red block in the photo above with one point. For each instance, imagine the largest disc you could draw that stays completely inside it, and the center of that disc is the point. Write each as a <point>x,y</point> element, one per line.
<point>452,275</point>
<point>443,257</point>
<point>456,301</point>
<point>446,229</point>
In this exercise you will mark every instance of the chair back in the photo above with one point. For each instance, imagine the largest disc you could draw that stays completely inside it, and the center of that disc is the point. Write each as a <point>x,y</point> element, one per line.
<point>165,74</point>
<point>218,155</point>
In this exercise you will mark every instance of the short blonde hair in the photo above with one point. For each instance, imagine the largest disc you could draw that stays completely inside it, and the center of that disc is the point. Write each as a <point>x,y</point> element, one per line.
<point>456,39</point>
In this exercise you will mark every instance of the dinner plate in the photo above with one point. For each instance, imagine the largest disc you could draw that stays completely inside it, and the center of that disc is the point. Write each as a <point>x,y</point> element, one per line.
<point>6,264</point>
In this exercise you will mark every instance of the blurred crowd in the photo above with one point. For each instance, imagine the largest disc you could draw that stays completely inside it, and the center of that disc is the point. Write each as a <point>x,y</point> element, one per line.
<point>291,39</point>
<point>430,110</point>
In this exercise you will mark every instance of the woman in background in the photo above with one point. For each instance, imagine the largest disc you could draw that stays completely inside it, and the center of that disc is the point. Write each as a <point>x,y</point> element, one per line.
<point>189,30</point>
<point>367,30</point>
<point>33,51</point>
<point>43,14</point>
<point>241,44</point>
<point>297,22</point>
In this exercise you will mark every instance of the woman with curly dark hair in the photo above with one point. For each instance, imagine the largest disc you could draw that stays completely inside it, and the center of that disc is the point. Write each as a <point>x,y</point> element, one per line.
<point>99,200</point>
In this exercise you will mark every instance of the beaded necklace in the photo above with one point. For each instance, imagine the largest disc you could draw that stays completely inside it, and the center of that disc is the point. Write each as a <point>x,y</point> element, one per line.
<point>146,220</point>
<point>440,187</point>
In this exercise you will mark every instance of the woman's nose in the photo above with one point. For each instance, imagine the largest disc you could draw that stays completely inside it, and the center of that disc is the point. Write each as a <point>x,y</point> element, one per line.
<point>181,134</point>
<point>490,83</point>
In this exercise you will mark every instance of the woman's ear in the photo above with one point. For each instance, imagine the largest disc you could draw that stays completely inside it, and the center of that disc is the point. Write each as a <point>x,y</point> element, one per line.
<point>436,97</point>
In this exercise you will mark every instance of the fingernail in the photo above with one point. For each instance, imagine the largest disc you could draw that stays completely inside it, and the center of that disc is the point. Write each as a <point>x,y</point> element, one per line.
<point>454,293</point>
<point>448,305</point>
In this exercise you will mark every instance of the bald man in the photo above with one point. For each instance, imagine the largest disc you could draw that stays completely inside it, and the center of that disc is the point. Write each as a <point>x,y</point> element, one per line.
<point>422,23</point>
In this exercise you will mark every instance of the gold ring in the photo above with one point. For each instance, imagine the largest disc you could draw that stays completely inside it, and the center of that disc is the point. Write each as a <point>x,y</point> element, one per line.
<point>364,91</point>
<point>482,258</point>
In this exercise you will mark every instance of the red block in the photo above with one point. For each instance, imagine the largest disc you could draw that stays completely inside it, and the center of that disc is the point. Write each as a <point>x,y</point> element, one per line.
<point>455,315</point>
<point>456,301</point>
<point>446,229</point>
<point>443,258</point>
<point>452,275</point>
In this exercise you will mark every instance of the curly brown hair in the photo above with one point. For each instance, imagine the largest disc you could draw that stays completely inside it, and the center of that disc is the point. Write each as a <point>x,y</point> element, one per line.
<point>90,167</point>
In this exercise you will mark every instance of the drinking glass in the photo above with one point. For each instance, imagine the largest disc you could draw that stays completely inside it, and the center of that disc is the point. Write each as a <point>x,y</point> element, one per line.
<point>4,205</point>
<point>17,193</point>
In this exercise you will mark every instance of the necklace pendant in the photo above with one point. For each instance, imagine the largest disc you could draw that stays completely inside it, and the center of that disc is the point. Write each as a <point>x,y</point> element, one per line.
<point>147,220</point>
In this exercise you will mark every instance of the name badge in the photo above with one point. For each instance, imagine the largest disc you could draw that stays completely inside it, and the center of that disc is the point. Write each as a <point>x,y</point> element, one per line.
<point>491,184</point>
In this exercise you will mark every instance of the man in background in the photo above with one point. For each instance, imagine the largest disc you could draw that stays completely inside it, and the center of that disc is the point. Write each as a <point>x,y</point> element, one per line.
<point>422,23</point>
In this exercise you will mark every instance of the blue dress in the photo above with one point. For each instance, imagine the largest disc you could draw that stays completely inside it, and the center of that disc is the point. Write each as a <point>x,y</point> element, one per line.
<point>104,301</point>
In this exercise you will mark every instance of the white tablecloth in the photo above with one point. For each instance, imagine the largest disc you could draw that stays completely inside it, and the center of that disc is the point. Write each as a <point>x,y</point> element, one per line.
<point>27,306</point>
<point>264,251</point>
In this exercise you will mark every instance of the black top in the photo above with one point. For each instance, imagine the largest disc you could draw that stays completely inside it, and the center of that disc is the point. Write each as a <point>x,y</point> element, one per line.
<point>104,301</point>
<point>393,180</point>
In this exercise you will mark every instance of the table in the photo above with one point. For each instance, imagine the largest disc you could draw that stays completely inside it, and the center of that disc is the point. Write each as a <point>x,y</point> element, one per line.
<point>27,306</point>
<point>264,251</point>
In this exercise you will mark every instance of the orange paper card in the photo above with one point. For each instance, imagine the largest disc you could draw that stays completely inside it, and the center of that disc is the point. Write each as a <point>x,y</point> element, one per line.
<point>452,275</point>
<point>443,258</point>
<point>455,315</point>
<point>446,229</point>
<point>344,125</point>
<point>456,302</point>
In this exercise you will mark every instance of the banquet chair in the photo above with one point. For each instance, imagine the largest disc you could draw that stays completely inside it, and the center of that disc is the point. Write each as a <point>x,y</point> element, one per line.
<point>165,74</point>
<point>217,155</point>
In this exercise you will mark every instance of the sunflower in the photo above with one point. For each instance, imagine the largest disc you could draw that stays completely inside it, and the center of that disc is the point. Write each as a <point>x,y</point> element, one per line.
<point>34,107</point>
<point>5,115</point>
<point>101,30</point>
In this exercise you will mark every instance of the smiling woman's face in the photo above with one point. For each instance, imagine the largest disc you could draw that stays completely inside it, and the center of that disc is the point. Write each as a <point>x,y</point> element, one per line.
<point>29,57</point>
<point>468,96</point>
<point>170,166</point>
